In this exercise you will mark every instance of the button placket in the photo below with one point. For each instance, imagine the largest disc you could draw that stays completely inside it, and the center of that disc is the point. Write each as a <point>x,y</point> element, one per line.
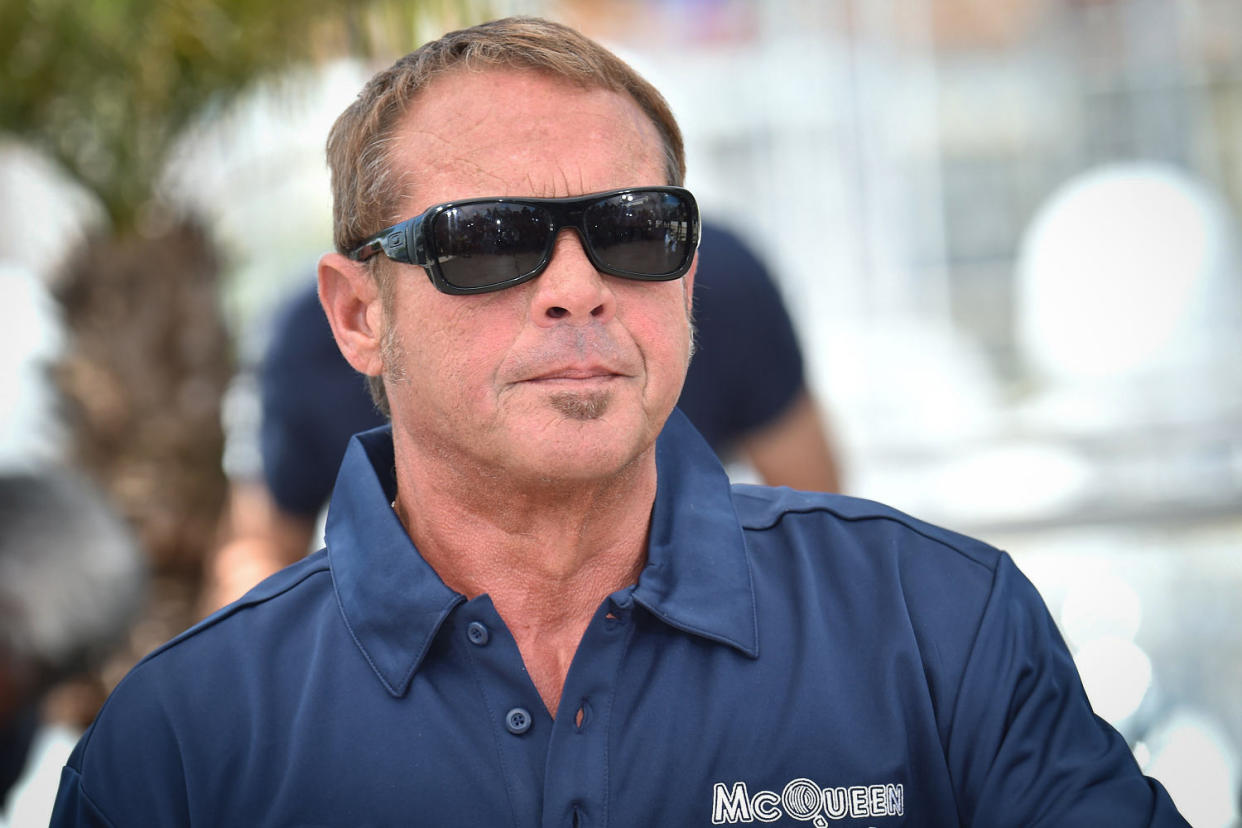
<point>575,786</point>
<point>509,699</point>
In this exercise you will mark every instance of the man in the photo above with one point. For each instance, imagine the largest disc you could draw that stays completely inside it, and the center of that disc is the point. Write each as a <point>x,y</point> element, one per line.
<point>541,602</point>
<point>744,392</point>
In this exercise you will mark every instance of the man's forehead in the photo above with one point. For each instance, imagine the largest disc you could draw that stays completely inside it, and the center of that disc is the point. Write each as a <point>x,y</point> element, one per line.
<point>505,131</point>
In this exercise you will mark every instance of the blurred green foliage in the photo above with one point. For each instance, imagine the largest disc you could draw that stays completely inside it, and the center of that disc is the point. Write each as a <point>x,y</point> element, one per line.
<point>104,87</point>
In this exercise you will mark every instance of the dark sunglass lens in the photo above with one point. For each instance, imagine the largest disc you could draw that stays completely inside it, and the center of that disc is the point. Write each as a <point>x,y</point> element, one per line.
<point>642,233</point>
<point>478,245</point>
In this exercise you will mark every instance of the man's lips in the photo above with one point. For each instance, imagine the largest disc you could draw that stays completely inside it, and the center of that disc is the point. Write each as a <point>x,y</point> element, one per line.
<point>576,373</point>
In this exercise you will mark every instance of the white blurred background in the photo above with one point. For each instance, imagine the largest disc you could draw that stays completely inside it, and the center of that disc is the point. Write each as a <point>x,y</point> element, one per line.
<point>1008,234</point>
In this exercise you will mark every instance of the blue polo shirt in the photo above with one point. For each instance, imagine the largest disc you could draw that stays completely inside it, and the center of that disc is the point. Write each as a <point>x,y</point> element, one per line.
<point>785,658</point>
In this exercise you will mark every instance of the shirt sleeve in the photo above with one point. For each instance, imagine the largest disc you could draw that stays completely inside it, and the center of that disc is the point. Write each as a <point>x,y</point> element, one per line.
<point>1024,743</point>
<point>74,809</point>
<point>126,770</point>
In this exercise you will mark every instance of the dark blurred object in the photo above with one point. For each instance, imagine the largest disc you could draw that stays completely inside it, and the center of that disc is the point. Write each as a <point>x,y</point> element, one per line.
<point>71,581</point>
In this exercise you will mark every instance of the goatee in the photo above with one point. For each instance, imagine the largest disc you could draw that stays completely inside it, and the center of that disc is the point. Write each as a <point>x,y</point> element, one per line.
<point>578,405</point>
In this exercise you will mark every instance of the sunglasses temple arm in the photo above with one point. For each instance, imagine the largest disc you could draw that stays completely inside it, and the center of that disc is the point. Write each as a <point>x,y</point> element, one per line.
<point>395,243</point>
<point>366,251</point>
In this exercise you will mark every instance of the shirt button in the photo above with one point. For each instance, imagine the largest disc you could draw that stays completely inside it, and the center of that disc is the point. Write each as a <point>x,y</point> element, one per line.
<point>477,633</point>
<point>517,721</point>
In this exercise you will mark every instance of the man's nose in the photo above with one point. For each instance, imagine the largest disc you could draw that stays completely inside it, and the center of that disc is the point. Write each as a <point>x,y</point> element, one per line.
<point>571,289</point>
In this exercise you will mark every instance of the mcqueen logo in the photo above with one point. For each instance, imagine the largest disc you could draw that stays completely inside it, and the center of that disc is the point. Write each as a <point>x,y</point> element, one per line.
<point>804,800</point>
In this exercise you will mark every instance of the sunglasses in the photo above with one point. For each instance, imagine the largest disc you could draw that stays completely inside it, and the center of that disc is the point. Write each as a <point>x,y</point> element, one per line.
<point>484,244</point>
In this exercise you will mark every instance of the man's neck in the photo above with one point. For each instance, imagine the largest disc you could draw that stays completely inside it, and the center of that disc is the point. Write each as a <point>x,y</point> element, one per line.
<point>546,554</point>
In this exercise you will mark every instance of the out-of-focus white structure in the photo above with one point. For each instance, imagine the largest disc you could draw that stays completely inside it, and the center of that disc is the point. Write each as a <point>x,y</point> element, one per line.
<point>30,429</point>
<point>1129,274</point>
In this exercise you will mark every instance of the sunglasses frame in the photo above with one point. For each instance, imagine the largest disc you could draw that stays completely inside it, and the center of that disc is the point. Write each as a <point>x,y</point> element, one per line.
<point>411,241</point>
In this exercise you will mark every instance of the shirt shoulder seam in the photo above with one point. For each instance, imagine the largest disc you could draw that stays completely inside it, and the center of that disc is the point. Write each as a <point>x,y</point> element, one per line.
<point>909,523</point>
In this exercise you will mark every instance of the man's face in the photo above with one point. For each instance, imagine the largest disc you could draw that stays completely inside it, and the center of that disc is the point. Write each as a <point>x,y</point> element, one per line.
<point>569,376</point>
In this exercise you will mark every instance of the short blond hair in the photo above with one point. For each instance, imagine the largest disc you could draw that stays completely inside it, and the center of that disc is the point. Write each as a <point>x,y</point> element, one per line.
<point>365,192</point>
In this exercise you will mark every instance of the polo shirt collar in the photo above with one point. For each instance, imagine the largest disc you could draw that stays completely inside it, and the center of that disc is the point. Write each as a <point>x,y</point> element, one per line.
<point>392,600</point>
<point>697,576</point>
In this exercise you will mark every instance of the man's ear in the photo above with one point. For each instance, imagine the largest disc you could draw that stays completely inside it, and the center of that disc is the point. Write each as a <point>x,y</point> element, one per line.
<point>351,301</point>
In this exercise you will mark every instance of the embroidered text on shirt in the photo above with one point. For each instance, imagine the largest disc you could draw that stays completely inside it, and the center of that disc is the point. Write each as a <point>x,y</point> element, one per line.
<point>804,800</point>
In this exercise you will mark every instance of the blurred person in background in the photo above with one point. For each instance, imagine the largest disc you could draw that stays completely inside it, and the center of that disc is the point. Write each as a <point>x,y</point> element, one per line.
<point>542,602</point>
<point>745,391</point>
<point>71,582</point>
